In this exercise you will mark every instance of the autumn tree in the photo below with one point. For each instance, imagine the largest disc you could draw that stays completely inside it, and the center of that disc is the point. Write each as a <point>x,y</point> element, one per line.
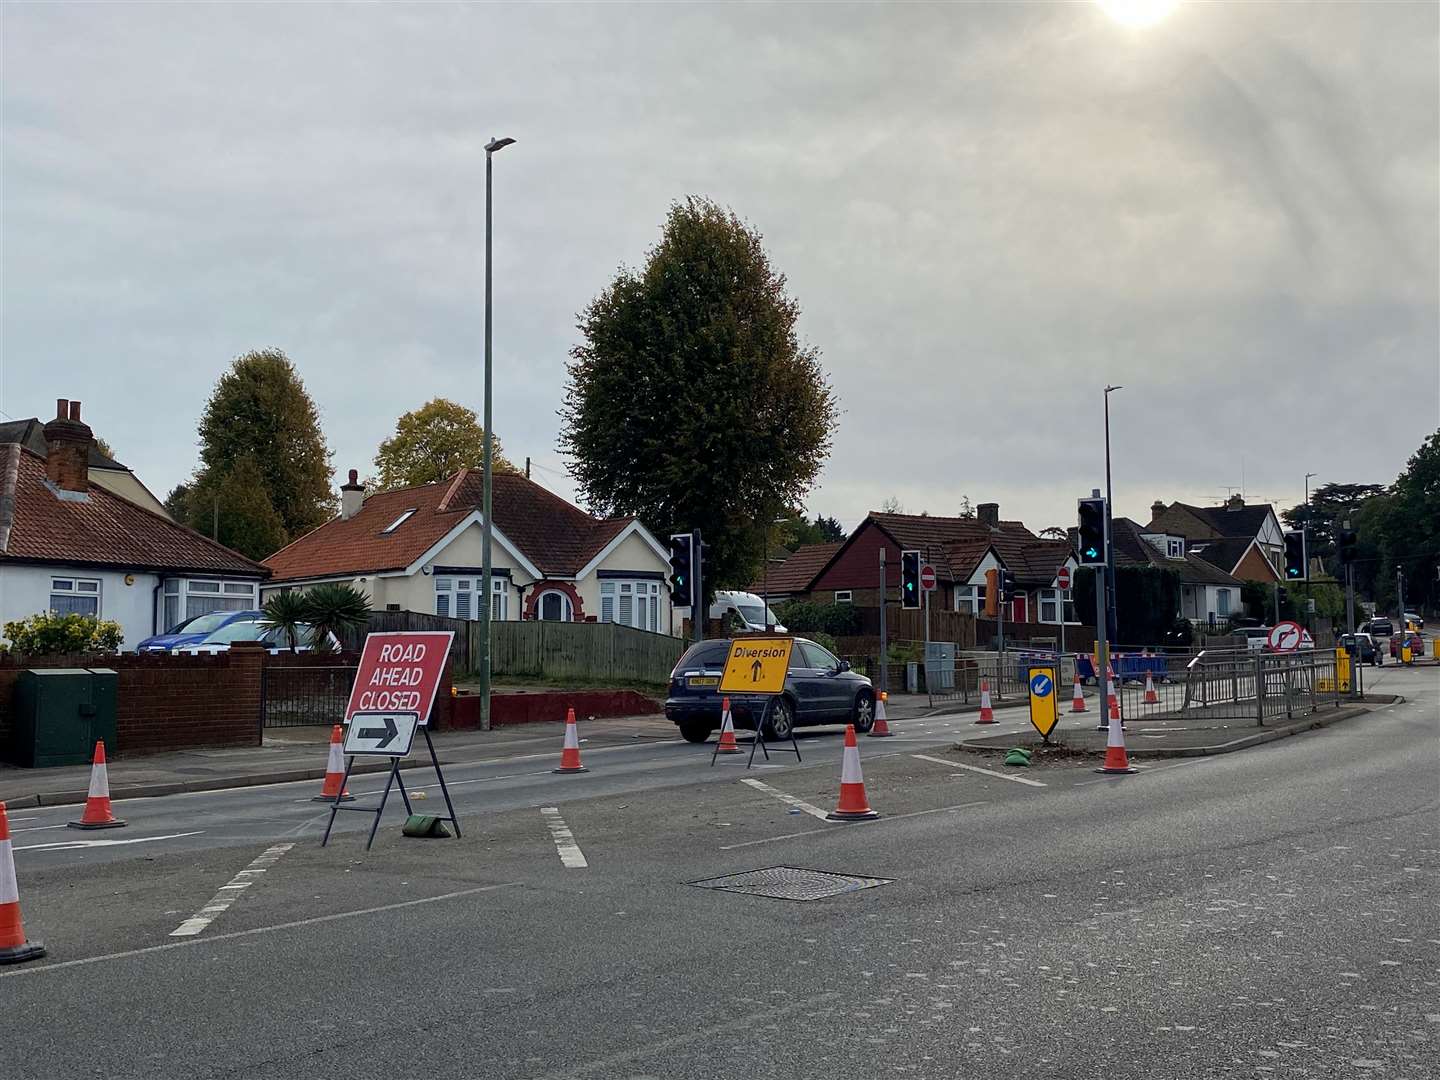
<point>692,402</point>
<point>433,442</point>
<point>235,500</point>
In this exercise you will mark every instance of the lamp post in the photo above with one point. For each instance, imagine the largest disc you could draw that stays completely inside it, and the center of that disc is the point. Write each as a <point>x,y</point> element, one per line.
<point>490,148</point>
<point>1112,621</point>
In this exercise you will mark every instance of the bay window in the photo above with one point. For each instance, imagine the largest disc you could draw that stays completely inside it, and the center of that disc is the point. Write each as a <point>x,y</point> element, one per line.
<point>631,603</point>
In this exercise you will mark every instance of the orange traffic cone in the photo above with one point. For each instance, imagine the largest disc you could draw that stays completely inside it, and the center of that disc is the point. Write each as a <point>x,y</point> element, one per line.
<point>97,813</point>
<point>853,805</point>
<point>728,745</point>
<point>881,728</point>
<point>1115,760</point>
<point>1077,704</point>
<point>987,714</point>
<point>1151,698</point>
<point>334,790</point>
<point>570,755</point>
<point>13,946</point>
<point>1114,701</point>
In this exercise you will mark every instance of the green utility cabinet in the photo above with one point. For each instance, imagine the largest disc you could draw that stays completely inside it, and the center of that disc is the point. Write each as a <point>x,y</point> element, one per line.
<point>59,714</point>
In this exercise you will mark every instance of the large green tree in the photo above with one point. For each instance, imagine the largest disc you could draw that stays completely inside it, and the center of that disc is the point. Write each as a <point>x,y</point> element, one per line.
<point>1329,505</point>
<point>235,501</point>
<point>260,411</point>
<point>431,443</point>
<point>692,402</point>
<point>1403,528</point>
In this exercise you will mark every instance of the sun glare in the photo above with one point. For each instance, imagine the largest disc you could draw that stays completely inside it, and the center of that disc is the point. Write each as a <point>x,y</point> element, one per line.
<point>1138,13</point>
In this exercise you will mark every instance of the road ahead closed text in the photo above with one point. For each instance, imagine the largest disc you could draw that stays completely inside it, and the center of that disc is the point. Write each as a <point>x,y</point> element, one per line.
<point>399,672</point>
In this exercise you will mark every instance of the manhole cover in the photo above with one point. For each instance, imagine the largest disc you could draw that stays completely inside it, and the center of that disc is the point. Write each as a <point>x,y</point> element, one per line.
<point>791,883</point>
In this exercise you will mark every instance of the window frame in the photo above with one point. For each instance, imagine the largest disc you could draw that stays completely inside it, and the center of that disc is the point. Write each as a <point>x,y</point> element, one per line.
<point>404,517</point>
<point>72,586</point>
<point>844,596</point>
<point>643,596</point>
<point>567,606</point>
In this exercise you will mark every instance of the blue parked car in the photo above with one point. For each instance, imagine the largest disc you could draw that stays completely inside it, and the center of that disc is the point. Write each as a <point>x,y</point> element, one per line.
<point>819,689</point>
<point>194,630</point>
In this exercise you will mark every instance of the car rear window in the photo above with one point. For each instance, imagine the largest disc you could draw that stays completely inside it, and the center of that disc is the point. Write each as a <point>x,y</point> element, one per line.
<point>708,654</point>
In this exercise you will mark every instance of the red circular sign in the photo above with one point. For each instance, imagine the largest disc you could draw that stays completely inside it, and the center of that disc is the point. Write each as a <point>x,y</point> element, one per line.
<point>1062,577</point>
<point>927,577</point>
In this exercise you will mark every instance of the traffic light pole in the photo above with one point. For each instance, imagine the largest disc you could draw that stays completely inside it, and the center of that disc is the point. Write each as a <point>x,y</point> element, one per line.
<point>1102,643</point>
<point>1277,602</point>
<point>1400,600</point>
<point>697,588</point>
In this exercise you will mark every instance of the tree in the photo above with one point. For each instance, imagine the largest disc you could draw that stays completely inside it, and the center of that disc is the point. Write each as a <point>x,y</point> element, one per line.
<point>891,505</point>
<point>1054,532</point>
<point>236,498</point>
<point>433,442</point>
<point>691,401</point>
<point>1402,531</point>
<point>335,610</point>
<point>286,611</point>
<point>50,633</point>
<point>967,508</point>
<point>1148,599</point>
<point>104,448</point>
<point>831,531</point>
<point>175,503</point>
<point>1329,505</point>
<point>260,411</point>
<point>796,531</point>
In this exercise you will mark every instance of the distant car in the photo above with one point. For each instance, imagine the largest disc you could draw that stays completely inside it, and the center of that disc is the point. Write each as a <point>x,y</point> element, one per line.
<point>1414,619</point>
<point>745,611</point>
<point>1417,644</point>
<point>1369,652</point>
<point>194,630</point>
<point>1378,627</point>
<point>819,689</point>
<point>1255,636</point>
<point>272,637</point>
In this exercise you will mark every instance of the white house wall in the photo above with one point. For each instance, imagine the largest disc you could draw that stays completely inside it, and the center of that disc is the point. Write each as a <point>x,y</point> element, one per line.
<point>25,590</point>
<point>632,554</point>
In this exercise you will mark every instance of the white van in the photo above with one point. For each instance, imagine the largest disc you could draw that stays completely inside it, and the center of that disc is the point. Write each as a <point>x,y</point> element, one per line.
<point>749,610</point>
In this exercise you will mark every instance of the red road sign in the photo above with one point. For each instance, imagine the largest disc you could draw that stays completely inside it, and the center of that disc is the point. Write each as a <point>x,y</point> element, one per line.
<point>927,578</point>
<point>1288,636</point>
<point>1062,577</point>
<point>400,672</point>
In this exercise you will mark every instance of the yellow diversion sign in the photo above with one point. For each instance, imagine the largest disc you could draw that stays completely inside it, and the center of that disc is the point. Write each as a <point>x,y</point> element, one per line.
<point>1044,713</point>
<point>757,665</point>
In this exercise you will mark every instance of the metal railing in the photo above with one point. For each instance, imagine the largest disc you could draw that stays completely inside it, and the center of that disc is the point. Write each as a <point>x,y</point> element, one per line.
<point>952,675</point>
<point>305,696</point>
<point>1266,686</point>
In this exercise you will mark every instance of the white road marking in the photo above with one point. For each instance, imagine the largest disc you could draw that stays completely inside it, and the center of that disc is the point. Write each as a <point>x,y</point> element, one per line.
<point>835,832</point>
<point>976,768</point>
<point>791,800</point>
<point>1146,769</point>
<point>75,845</point>
<point>17,973</point>
<point>570,853</point>
<point>40,828</point>
<point>230,892</point>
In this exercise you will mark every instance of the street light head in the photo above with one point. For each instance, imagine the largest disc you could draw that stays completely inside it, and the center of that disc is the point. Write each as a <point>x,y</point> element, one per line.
<point>1109,388</point>
<point>497,144</point>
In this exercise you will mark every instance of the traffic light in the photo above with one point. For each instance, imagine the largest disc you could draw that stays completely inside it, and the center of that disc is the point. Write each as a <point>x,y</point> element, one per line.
<point>1281,595</point>
<point>1295,556</point>
<point>910,579</point>
<point>1345,541</point>
<point>1007,586</point>
<point>1092,532</point>
<point>992,593</point>
<point>682,550</point>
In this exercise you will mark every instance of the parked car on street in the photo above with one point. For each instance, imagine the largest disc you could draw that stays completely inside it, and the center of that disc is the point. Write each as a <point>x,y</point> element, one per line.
<point>272,637</point>
<point>1370,653</point>
<point>1255,636</point>
<point>819,689</point>
<point>1417,644</point>
<point>194,630</point>
<point>747,612</point>
<point>1414,619</point>
<point>1378,628</point>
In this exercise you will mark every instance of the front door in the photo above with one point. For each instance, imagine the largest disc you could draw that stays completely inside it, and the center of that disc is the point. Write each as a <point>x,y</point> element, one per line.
<point>1018,609</point>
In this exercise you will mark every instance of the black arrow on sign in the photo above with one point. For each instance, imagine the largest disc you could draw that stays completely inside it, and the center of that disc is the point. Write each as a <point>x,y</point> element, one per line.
<point>755,669</point>
<point>385,735</point>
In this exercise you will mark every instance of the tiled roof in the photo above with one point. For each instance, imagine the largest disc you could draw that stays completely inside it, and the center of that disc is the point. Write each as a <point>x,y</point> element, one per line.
<point>557,537</point>
<point>1220,521</point>
<point>956,545</point>
<point>101,529</point>
<point>797,573</point>
<point>1132,550</point>
<point>31,435</point>
<point>1225,553</point>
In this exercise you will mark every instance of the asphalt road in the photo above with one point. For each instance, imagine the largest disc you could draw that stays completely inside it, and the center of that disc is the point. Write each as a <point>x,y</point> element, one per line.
<point>1270,912</point>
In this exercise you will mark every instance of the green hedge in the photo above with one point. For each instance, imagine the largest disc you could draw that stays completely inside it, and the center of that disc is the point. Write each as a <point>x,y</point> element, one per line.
<point>804,617</point>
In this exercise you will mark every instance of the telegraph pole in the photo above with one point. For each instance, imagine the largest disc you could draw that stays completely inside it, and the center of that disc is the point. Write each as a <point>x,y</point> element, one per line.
<point>884,679</point>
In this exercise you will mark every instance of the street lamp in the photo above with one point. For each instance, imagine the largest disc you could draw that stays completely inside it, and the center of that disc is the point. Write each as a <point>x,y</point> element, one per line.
<point>490,148</point>
<point>1112,618</point>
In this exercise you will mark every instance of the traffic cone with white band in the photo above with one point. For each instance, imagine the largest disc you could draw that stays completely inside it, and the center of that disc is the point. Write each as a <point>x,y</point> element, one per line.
<point>13,946</point>
<point>1151,697</point>
<point>334,772</point>
<point>97,813</point>
<point>987,714</point>
<point>570,755</point>
<point>881,728</point>
<point>1116,762</point>
<point>728,745</point>
<point>853,805</point>
<point>1077,704</point>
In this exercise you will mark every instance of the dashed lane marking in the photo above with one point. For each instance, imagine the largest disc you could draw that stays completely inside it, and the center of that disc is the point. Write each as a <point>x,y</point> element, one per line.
<point>570,853</point>
<point>317,920</point>
<point>230,892</point>
<point>790,800</point>
<point>976,768</point>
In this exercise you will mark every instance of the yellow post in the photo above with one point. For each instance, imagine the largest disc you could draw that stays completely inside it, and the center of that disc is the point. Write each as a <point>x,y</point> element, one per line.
<point>1435,647</point>
<point>1405,655</point>
<point>1342,670</point>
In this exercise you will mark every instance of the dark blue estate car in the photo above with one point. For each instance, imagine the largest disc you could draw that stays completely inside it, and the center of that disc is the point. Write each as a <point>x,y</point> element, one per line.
<point>195,630</point>
<point>819,689</point>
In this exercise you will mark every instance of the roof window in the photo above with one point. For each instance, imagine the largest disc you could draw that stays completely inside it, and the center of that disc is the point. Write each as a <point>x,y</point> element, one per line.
<point>397,522</point>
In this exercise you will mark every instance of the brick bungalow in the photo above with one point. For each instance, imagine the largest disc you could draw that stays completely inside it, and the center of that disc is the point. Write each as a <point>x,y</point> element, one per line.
<point>1245,541</point>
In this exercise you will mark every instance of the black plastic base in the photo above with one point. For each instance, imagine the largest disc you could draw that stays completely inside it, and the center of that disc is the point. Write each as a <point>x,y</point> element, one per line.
<point>31,950</point>
<point>114,824</point>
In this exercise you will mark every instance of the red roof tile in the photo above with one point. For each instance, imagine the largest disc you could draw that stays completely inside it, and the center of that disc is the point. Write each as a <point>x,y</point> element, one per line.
<point>102,529</point>
<point>797,573</point>
<point>558,537</point>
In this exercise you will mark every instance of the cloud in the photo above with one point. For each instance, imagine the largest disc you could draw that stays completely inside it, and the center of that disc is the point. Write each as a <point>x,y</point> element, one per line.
<point>987,213</point>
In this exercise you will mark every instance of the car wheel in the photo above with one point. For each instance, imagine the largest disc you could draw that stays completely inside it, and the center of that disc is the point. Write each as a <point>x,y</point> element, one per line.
<point>780,724</point>
<point>696,731</point>
<point>864,718</point>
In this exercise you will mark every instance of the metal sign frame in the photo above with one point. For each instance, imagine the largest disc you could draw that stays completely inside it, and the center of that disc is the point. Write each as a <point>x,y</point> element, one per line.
<point>390,780</point>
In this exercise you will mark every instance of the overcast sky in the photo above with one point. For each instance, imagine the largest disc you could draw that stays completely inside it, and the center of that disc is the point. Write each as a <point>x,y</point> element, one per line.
<point>986,212</point>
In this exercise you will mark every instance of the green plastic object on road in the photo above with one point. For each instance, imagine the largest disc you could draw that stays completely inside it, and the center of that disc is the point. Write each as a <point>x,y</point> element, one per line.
<point>1018,756</point>
<point>425,826</point>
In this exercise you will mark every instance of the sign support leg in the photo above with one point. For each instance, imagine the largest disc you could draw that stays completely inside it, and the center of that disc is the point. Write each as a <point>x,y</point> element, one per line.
<point>335,806</point>
<point>449,806</point>
<point>380,810</point>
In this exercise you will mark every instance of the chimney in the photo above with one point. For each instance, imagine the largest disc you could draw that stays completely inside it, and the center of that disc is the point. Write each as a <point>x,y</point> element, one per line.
<point>67,448</point>
<point>1157,508</point>
<point>352,496</point>
<point>1235,502</point>
<point>989,514</point>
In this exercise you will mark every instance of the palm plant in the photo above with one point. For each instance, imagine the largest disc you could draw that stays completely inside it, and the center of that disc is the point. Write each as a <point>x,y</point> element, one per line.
<point>335,610</point>
<point>287,611</point>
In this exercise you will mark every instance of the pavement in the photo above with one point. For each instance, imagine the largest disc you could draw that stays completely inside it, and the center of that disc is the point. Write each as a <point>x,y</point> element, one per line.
<point>1265,913</point>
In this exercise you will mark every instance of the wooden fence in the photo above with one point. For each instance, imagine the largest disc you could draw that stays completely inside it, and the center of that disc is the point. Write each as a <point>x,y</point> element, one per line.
<point>589,652</point>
